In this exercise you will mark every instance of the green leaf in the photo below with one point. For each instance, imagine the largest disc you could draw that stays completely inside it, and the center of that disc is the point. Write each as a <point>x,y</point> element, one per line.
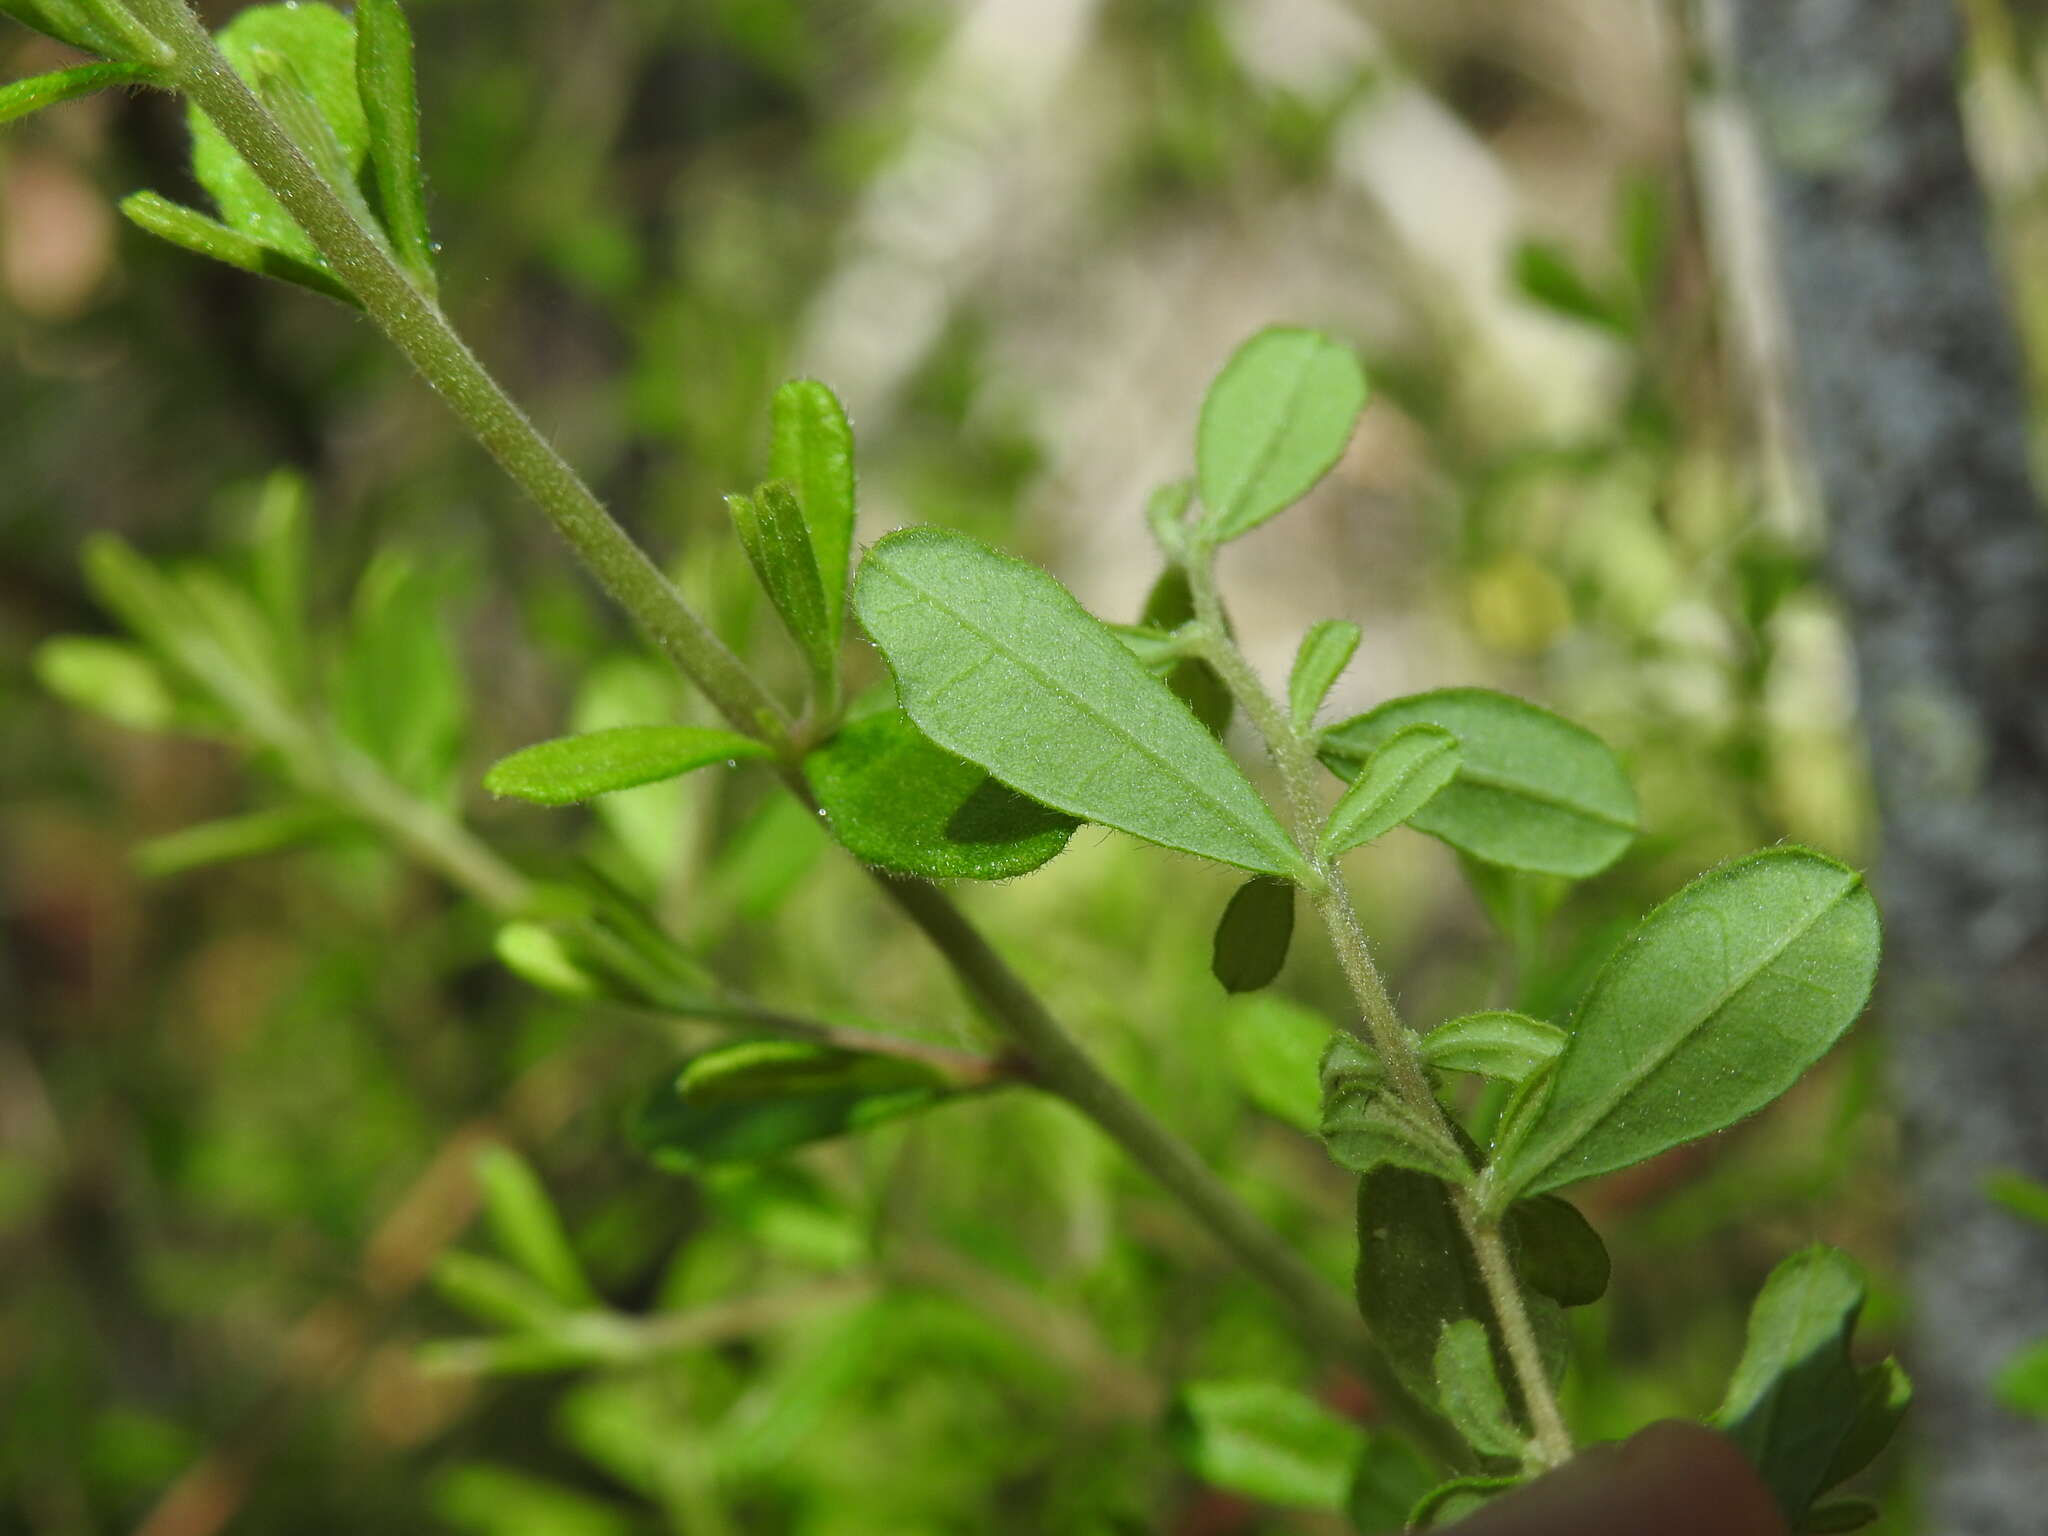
<point>280,565</point>
<point>2022,1383</point>
<point>524,1222</point>
<point>232,838</point>
<point>1454,1500</point>
<point>1519,903</point>
<point>1411,768</point>
<point>778,545</point>
<point>896,799</point>
<point>1326,650</point>
<point>1169,605</point>
<point>391,119</point>
<point>1795,1396</point>
<point>1266,1441</point>
<point>1511,1046</point>
<point>1274,1047</point>
<point>1547,276</point>
<point>1711,1008</point>
<point>2024,1197</point>
<point>1252,938</point>
<point>1534,791</point>
<point>195,232</point>
<point>758,1099</point>
<point>1349,1065</point>
<point>1416,1273</point>
<point>537,955</point>
<point>1388,1479</point>
<point>22,97</point>
<point>811,451</point>
<point>1365,1131</point>
<point>492,1292</point>
<point>1273,422</point>
<point>318,45</point>
<point>1557,1252</point>
<point>569,769</point>
<point>1838,1515</point>
<point>1884,1393</point>
<point>1469,1391</point>
<point>995,661</point>
<point>108,677</point>
<point>105,28</point>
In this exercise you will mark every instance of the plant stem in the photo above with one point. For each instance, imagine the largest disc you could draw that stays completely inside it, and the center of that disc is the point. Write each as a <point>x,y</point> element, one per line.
<point>1380,1024</point>
<point>415,323</point>
<point>363,260</point>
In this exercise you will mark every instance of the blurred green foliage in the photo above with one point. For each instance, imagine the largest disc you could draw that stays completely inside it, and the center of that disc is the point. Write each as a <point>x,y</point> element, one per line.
<point>241,1097</point>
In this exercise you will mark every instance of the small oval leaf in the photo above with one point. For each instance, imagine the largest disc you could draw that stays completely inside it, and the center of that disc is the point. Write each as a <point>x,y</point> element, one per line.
<point>528,1228</point>
<point>1533,792</point>
<point>1252,938</point>
<point>573,768</point>
<point>1510,1046</point>
<point>1326,650</point>
<point>1273,422</point>
<point>997,662</point>
<point>758,1099</point>
<point>391,116</point>
<point>1399,780</point>
<point>1712,1007</point>
<point>778,545</point>
<point>19,98</point>
<point>1453,1501</point>
<point>1557,1251</point>
<point>898,800</point>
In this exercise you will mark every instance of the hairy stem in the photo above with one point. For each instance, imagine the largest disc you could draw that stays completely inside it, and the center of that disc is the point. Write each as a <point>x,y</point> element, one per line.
<point>412,319</point>
<point>1380,1023</point>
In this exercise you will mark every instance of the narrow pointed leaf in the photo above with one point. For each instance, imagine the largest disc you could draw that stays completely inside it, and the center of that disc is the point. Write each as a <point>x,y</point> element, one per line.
<point>1407,771</point>
<point>2022,1382</point>
<point>1252,938</point>
<point>1713,1007</point>
<point>811,451</point>
<point>1273,422</point>
<point>319,44</point>
<point>538,956</point>
<point>233,838</point>
<point>2026,1198</point>
<point>195,232</point>
<point>108,677</point>
<point>1469,1391</point>
<point>1795,1396</point>
<point>105,28</point>
<point>898,800</point>
<point>1450,1502</point>
<point>22,97</point>
<point>760,1099</point>
<point>1265,1441</point>
<point>391,117</point>
<point>527,1227</point>
<point>1557,1252</point>
<point>1168,606</point>
<point>771,528</point>
<point>1326,650</point>
<point>995,661</point>
<point>492,1292</point>
<point>1368,1131</point>
<point>1510,1046</point>
<point>1534,791</point>
<point>574,768</point>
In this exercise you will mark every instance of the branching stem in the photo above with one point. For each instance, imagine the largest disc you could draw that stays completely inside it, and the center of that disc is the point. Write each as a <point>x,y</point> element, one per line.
<point>1379,1024</point>
<point>414,322</point>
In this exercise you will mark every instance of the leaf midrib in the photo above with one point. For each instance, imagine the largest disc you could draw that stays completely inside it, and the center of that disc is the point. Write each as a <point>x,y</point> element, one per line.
<point>1228,813</point>
<point>1234,503</point>
<point>1655,1061</point>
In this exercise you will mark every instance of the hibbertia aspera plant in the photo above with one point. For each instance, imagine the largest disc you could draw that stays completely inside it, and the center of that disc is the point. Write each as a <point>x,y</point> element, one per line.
<point>1012,716</point>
